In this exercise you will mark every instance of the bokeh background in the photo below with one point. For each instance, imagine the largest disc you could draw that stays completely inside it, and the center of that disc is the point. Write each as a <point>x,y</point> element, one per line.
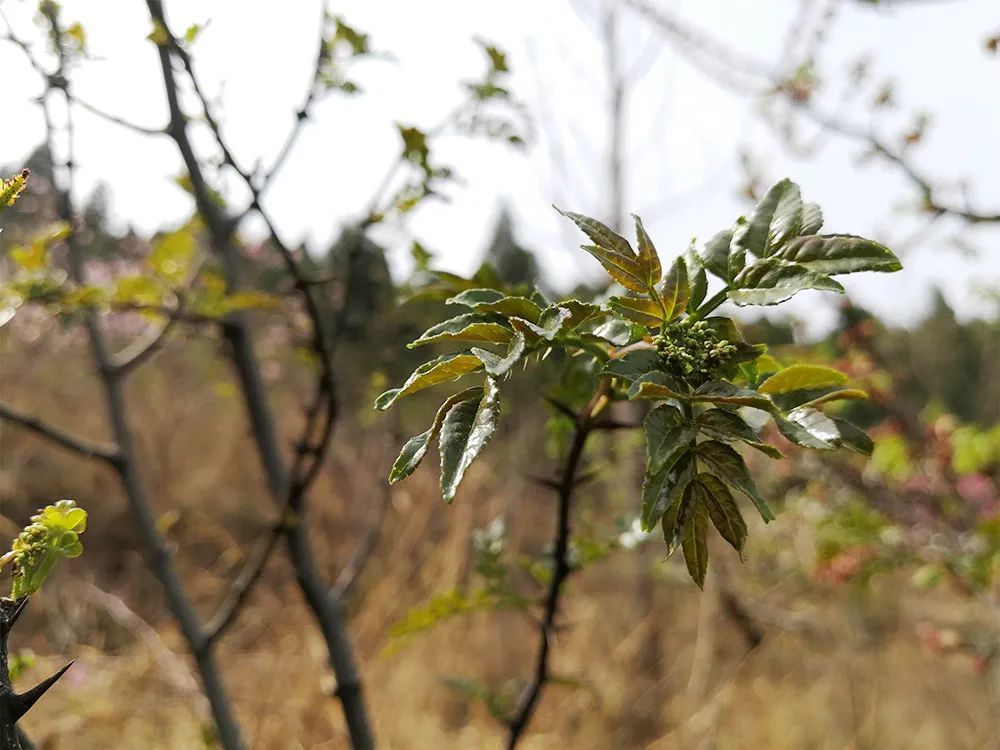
<point>867,616</point>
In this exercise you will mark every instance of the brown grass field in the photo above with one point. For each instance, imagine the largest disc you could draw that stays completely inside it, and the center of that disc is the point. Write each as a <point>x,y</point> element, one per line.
<point>649,661</point>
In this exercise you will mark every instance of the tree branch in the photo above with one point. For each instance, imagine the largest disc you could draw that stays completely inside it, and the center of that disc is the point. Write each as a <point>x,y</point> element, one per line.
<point>528,701</point>
<point>60,437</point>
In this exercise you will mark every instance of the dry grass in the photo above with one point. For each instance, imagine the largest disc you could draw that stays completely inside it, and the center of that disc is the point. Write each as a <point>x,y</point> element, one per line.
<point>836,669</point>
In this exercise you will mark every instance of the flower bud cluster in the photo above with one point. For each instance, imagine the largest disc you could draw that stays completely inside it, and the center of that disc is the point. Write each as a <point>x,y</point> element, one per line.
<point>692,351</point>
<point>30,547</point>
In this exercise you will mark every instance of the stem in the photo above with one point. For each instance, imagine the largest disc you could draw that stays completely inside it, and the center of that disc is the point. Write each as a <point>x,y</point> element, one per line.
<point>711,304</point>
<point>567,483</point>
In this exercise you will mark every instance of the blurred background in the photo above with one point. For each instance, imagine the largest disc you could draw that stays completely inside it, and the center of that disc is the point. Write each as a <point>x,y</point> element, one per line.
<point>389,149</point>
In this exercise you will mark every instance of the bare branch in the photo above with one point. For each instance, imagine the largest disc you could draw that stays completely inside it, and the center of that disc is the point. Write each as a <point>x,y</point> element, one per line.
<point>60,437</point>
<point>120,121</point>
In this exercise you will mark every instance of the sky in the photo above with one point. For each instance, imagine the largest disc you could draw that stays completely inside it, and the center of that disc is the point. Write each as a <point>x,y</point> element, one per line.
<point>685,133</point>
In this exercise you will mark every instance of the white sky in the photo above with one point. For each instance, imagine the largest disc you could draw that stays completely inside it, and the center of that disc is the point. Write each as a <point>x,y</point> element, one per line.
<point>685,132</point>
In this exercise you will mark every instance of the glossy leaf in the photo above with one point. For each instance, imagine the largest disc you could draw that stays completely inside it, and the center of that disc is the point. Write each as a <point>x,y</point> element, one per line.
<point>839,253</point>
<point>695,542</point>
<point>723,510</point>
<point>665,494</point>
<point>656,385</point>
<point>802,377</point>
<point>773,280</point>
<point>471,327</point>
<point>498,366</point>
<point>632,365</point>
<point>550,323</point>
<point>444,369</point>
<point>697,278</point>
<point>492,301</point>
<point>649,261</point>
<point>812,219</point>
<point>715,256</point>
<point>624,270</point>
<point>666,431</point>
<point>641,310</point>
<point>722,392</point>
<point>675,290</point>
<point>415,448</point>
<point>776,218</point>
<point>600,234</point>
<point>728,465</point>
<point>465,431</point>
<point>728,427</point>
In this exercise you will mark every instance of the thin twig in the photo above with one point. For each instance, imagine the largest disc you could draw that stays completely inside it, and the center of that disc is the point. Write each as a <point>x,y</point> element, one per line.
<point>60,437</point>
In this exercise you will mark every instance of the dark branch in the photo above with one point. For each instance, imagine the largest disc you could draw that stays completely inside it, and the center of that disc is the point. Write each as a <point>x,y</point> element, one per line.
<point>60,437</point>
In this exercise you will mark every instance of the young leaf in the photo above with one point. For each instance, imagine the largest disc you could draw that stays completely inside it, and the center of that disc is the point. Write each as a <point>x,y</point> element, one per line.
<point>802,377</point>
<point>641,310</point>
<point>669,498</point>
<point>728,427</point>
<point>729,466</point>
<point>622,269</point>
<point>499,366</point>
<point>839,253</point>
<point>466,429</point>
<point>656,385</point>
<point>715,256</point>
<point>601,235</point>
<point>471,327</point>
<point>773,280</point>
<point>697,278</point>
<point>649,261</point>
<point>722,392</point>
<point>854,438</point>
<point>665,432</point>
<point>633,365</point>
<point>675,290</point>
<point>444,369</point>
<point>723,510</point>
<point>812,219</point>
<point>663,490</point>
<point>695,543</point>
<point>492,301</point>
<point>579,312</point>
<point>415,449</point>
<point>550,323</point>
<point>776,218</point>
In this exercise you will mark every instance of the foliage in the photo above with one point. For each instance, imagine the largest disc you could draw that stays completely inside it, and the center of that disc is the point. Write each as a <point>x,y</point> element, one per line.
<point>54,532</point>
<point>655,341</point>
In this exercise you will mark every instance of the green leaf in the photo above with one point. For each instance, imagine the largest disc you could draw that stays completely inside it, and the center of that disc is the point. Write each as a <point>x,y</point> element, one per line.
<point>641,310</point>
<point>810,429</point>
<point>666,432</point>
<point>839,253</point>
<point>676,518</point>
<point>853,437</point>
<point>695,543</point>
<point>723,392</point>
<point>550,323</point>
<point>729,466</point>
<point>649,261</point>
<point>728,427</point>
<point>697,277</point>
<point>664,491</point>
<point>624,270</point>
<point>737,252</point>
<point>492,301</point>
<point>656,385</point>
<point>444,369</point>
<point>474,327</point>
<point>601,235</point>
<point>633,365</point>
<point>579,312</point>
<point>773,280</point>
<point>776,218</point>
<point>675,291</point>
<point>617,332</point>
<point>466,429</point>
<point>415,448</point>
<point>715,256</point>
<point>723,510</point>
<point>802,377</point>
<point>499,366</point>
<point>812,218</point>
